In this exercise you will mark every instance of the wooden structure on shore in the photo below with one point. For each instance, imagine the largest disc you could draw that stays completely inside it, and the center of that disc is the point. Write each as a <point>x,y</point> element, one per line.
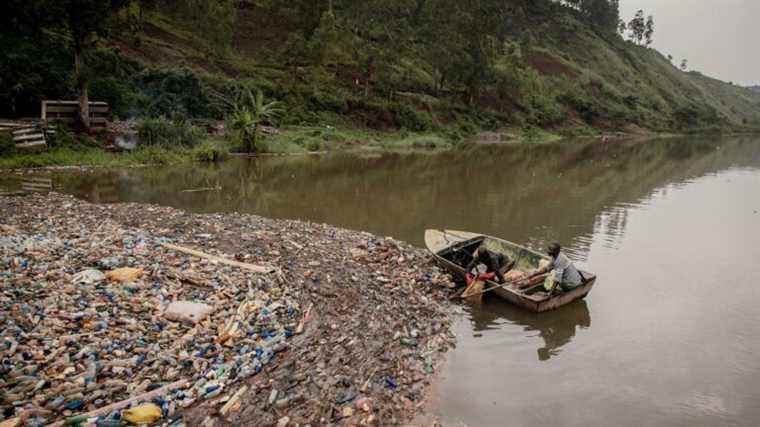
<point>33,184</point>
<point>34,133</point>
<point>66,112</point>
<point>28,134</point>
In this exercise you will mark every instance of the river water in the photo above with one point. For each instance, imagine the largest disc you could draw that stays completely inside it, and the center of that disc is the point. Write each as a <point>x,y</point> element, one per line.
<point>670,335</point>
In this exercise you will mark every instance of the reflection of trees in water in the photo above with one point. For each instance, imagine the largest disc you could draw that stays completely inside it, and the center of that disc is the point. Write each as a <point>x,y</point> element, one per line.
<point>556,328</point>
<point>525,193</point>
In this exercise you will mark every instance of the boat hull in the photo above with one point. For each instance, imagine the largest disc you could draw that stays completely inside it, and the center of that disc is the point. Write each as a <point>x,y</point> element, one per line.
<point>439,242</point>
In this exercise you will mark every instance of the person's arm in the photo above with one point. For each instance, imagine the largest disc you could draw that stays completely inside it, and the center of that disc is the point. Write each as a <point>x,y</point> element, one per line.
<point>473,263</point>
<point>500,276</point>
<point>553,288</point>
<point>559,274</point>
<point>545,269</point>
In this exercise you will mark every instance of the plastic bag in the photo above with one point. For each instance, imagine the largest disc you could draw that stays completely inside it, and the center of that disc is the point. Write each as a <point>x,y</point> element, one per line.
<point>124,275</point>
<point>147,413</point>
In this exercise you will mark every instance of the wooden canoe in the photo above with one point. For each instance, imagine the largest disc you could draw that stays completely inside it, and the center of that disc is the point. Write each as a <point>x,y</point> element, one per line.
<point>453,251</point>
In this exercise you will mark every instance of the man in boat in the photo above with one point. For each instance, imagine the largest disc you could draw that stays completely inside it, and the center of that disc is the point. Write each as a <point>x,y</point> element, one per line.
<point>496,265</point>
<point>563,275</point>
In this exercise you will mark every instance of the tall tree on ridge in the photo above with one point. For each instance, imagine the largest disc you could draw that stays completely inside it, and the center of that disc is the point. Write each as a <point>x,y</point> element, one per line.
<point>649,30</point>
<point>637,27</point>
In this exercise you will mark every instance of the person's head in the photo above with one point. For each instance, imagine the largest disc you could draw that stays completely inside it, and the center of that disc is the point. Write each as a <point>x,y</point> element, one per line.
<point>481,249</point>
<point>553,249</point>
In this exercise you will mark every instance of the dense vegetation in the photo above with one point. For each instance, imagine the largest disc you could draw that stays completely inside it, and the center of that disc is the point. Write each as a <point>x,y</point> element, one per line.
<point>451,67</point>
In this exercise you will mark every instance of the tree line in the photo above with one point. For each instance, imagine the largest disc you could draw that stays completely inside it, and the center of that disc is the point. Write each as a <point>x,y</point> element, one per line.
<point>462,46</point>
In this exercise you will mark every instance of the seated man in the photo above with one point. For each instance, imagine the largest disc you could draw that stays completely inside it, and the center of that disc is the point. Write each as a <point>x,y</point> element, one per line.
<point>564,274</point>
<point>496,264</point>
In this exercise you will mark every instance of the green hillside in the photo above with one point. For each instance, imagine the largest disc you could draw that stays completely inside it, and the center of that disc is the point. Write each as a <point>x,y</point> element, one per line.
<point>422,65</point>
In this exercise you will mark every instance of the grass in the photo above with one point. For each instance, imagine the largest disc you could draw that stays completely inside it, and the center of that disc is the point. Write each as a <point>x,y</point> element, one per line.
<point>93,157</point>
<point>298,140</point>
<point>210,150</point>
<point>293,140</point>
<point>328,138</point>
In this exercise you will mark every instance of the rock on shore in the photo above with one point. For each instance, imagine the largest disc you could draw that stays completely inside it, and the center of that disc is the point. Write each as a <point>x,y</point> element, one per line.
<point>97,306</point>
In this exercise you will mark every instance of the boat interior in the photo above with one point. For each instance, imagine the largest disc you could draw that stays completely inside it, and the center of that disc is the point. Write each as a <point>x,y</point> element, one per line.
<point>461,255</point>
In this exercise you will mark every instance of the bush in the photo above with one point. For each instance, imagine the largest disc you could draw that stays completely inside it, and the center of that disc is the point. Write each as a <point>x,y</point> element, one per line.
<point>168,133</point>
<point>7,146</point>
<point>211,151</point>
<point>313,145</point>
<point>63,138</point>
<point>119,95</point>
<point>411,119</point>
<point>531,134</point>
<point>328,101</point>
<point>172,92</point>
<point>155,156</point>
<point>31,69</point>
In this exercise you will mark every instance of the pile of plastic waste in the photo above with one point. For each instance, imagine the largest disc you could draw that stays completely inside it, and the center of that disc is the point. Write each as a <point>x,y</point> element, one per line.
<point>104,322</point>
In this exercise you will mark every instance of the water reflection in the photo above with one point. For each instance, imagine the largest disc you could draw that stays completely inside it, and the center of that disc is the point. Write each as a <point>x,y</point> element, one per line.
<point>526,193</point>
<point>556,329</point>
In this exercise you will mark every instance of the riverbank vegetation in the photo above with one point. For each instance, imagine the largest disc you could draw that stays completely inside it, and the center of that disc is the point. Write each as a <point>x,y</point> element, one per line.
<point>411,73</point>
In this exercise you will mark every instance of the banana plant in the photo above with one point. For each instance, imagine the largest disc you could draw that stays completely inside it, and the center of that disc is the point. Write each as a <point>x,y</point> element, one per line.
<point>249,113</point>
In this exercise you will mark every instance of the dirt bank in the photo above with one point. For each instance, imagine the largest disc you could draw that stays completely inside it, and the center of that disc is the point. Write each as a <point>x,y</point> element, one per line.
<point>347,329</point>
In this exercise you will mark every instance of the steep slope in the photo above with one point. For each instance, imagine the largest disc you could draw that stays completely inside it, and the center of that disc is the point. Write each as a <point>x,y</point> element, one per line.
<point>452,67</point>
<point>638,83</point>
<point>584,79</point>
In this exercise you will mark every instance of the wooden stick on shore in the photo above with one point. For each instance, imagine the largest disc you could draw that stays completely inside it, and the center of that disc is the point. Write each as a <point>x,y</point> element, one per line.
<point>119,405</point>
<point>199,254</point>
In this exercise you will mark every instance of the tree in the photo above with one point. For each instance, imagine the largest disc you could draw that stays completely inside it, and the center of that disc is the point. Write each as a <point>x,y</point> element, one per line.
<point>649,30</point>
<point>622,27</point>
<point>249,114</point>
<point>214,23</point>
<point>325,42</point>
<point>603,13</point>
<point>637,27</point>
<point>81,23</point>
<point>684,65</point>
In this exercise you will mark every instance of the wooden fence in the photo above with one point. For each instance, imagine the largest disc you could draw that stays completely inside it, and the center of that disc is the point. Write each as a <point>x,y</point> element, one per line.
<point>66,112</point>
<point>28,134</point>
<point>36,185</point>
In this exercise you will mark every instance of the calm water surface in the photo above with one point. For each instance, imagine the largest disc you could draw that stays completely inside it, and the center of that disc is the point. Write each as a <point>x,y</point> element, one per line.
<point>669,336</point>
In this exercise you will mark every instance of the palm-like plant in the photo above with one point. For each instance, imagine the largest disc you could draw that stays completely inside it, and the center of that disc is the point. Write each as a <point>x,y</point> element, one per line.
<point>242,122</point>
<point>248,115</point>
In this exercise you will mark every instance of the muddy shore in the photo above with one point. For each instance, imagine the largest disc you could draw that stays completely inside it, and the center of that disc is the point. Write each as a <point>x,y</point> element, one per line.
<point>347,329</point>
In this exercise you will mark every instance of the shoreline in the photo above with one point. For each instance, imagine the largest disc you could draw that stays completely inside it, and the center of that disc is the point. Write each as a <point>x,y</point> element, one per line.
<point>290,142</point>
<point>366,354</point>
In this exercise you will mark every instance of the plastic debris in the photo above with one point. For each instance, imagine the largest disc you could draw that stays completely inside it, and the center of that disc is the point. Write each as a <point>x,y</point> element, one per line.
<point>88,277</point>
<point>187,311</point>
<point>124,275</point>
<point>343,312</point>
<point>147,413</point>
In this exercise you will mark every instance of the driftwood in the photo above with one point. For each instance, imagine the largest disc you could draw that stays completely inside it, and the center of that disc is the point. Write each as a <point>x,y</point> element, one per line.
<point>199,254</point>
<point>119,405</point>
<point>233,404</point>
<point>306,317</point>
<point>200,190</point>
